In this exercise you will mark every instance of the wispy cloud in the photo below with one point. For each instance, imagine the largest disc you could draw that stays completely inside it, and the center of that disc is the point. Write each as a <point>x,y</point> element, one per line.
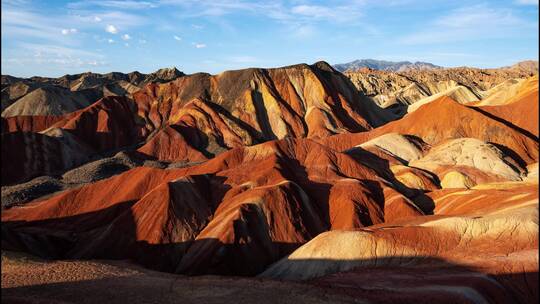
<point>343,13</point>
<point>24,21</point>
<point>338,11</point>
<point>19,23</point>
<point>15,2</point>
<point>199,45</point>
<point>56,56</point>
<point>527,2</point>
<point>177,38</point>
<point>469,23</point>
<point>95,19</point>
<point>127,4</point>
<point>58,51</point>
<point>193,8</point>
<point>126,37</point>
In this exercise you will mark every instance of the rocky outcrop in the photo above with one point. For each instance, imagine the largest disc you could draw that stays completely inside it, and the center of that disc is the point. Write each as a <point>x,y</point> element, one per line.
<point>255,105</point>
<point>106,125</point>
<point>66,94</point>
<point>445,119</point>
<point>401,89</point>
<point>472,153</point>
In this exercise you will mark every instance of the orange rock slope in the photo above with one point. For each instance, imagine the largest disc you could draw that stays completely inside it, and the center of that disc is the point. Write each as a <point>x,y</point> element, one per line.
<point>287,174</point>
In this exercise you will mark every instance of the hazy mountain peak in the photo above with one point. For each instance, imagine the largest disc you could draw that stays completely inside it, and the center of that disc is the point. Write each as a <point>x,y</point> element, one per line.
<point>395,66</point>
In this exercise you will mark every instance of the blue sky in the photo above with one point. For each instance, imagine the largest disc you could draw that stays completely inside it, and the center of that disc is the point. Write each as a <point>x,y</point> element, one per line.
<point>53,38</point>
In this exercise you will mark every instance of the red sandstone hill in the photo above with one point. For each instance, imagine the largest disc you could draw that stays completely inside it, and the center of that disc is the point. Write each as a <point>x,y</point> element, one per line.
<point>70,141</point>
<point>211,114</point>
<point>250,106</point>
<point>444,119</point>
<point>513,110</point>
<point>269,199</point>
<point>287,173</point>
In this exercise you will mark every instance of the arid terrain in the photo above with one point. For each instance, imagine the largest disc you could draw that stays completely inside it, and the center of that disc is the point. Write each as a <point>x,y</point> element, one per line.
<point>408,184</point>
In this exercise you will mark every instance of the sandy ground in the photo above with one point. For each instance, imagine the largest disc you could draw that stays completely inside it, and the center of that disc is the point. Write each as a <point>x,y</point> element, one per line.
<point>26,279</point>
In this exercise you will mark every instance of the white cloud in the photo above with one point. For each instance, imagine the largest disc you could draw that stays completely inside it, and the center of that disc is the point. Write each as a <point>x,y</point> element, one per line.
<point>142,41</point>
<point>69,31</point>
<point>126,37</point>
<point>111,29</point>
<point>177,38</point>
<point>119,19</point>
<point>110,40</point>
<point>199,45</point>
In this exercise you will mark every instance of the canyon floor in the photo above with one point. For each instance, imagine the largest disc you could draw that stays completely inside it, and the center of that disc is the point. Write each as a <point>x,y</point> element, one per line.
<point>31,280</point>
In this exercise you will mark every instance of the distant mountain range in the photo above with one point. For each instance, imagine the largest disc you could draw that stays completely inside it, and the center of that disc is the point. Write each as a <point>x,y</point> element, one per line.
<point>394,66</point>
<point>28,96</point>
<point>403,66</point>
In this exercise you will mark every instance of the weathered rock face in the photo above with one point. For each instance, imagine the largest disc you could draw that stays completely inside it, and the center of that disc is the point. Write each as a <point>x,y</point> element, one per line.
<point>465,85</point>
<point>58,96</point>
<point>105,125</point>
<point>445,119</point>
<point>51,100</point>
<point>287,173</point>
<point>470,238</point>
<point>250,106</point>
<point>472,153</point>
<point>511,110</point>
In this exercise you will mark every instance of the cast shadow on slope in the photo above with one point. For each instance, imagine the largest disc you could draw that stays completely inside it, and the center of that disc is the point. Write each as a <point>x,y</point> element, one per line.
<point>127,231</point>
<point>506,123</point>
<point>112,233</point>
<point>88,236</point>
<point>51,155</point>
<point>384,280</point>
<point>382,167</point>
